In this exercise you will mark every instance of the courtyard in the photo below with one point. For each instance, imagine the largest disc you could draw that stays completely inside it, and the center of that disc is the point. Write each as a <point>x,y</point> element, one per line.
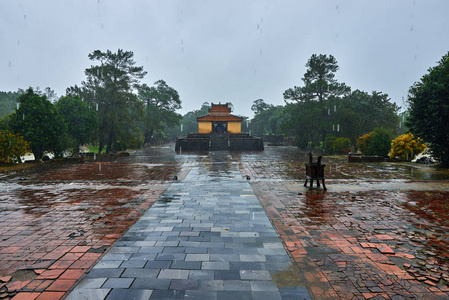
<point>380,231</point>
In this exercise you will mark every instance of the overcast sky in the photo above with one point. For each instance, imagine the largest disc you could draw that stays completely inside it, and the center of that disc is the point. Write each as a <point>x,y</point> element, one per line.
<point>225,51</point>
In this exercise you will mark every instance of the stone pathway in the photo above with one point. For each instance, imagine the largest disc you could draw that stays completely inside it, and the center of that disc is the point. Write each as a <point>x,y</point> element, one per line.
<point>206,237</point>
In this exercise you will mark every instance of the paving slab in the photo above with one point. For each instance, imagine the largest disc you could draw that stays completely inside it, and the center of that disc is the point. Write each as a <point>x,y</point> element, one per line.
<point>213,209</point>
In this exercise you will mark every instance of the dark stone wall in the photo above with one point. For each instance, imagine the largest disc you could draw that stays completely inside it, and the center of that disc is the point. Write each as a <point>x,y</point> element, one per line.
<point>189,144</point>
<point>198,141</point>
<point>249,143</point>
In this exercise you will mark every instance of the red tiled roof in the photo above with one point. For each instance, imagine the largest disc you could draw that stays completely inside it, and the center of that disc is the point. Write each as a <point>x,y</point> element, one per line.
<point>209,118</point>
<point>219,108</point>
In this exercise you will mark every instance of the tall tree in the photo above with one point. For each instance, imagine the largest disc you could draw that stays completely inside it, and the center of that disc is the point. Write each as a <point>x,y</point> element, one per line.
<point>360,113</point>
<point>321,87</point>
<point>109,89</point>
<point>81,120</point>
<point>39,122</point>
<point>319,81</point>
<point>267,118</point>
<point>429,110</point>
<point>260,106</point>
<point>8,102</point>
<point>161,102</point>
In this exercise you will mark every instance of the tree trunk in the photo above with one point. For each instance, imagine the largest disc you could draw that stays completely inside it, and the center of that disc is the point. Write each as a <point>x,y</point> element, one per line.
<point>148,136</point>
<point>109,145</point>
<point>100,146</point>
<point>38,154</point>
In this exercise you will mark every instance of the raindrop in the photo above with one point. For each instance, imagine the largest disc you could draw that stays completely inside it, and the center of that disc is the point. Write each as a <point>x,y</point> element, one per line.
<point>182,49</point>
<point>258,26</point>
<point>336,7</point>
<point>182,42</point>
<point>260,51</point>
<point>98,1</point>
<point>337,35</point>
<point>25,17</point>
<point>416,57</point>
<point>9,64</point>
<point>102,26</point>
<point>261,20</point>
<point>18,42</point>
<point>411,28</point>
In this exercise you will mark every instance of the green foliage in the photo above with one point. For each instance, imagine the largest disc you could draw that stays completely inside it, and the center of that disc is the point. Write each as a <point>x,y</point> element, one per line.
<point>377,142</point>
<point>324,107</point>
<point>39,122</point>
<point>363,143</point>
<point>188,121</point>
<point>161,102</point>
<point>81,120</point>
<point>319,81</point>
<point>8,102</point>
<point>364,113</point>
<point>328,143</point>
<point>310,120</point>
<point>429,110</point>
<point>406,146</point>
<point>341,145</point>
<point>260,106</point>
<point>380,143</point>
<point>108,89</point>
<point>267,118</point>
<point>12,147</point>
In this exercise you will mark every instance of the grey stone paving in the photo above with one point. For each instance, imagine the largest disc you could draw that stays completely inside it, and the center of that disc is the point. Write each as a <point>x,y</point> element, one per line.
<point>207,237</point>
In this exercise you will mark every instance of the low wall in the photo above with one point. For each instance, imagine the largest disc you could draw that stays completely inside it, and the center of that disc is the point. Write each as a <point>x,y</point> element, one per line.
<point>249,143</point>
<point>189,144</point>
<point>240,141</point>
<point>361,158</point>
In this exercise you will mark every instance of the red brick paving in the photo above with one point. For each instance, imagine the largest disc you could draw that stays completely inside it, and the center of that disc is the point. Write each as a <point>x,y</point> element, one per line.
<point>56,224</point>
<point>358,245</point>
<point>347,245</point>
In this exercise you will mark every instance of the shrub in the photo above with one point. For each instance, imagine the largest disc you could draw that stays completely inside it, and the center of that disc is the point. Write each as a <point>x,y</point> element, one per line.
<point>377,142</point>
<point>341,145</point>
<point>12,147</point>
<point>328,142</point>
<point>406,146</point>
<point>363,143</point>
<point>380,143</point>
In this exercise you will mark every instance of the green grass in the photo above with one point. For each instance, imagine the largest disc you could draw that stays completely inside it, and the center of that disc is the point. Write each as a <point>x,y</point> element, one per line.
<point>95,149</point>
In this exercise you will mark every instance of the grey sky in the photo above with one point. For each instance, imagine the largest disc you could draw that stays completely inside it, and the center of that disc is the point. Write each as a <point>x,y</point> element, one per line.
<point>220,51</point>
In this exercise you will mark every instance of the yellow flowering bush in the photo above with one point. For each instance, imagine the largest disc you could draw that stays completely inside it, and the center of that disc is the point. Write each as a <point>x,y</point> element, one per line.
<point>406,144</point>
<point>363,142</point>
<point>12,146</point>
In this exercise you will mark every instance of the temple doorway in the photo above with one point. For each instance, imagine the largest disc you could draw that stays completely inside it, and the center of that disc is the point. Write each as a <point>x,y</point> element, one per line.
<point>219,127</point>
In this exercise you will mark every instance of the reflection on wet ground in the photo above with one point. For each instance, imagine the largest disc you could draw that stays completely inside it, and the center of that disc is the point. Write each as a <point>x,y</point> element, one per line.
<point>381,229</point>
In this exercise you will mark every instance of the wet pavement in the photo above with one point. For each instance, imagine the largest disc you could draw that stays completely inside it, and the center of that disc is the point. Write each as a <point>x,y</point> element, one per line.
<point>206,237</point>
<point>380,231</point>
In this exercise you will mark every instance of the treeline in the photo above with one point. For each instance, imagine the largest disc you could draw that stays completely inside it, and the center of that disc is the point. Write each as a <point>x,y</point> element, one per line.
<point>327,115</point>
<point>323,109</point>
<point>111,108</point>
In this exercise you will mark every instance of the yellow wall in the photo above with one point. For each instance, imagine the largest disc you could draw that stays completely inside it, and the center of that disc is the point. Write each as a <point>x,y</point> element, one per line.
<point>204,127</point>
<point>234,127</point>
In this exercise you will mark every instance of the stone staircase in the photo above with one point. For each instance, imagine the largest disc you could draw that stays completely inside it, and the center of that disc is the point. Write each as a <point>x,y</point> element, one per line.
<point>219,141</point>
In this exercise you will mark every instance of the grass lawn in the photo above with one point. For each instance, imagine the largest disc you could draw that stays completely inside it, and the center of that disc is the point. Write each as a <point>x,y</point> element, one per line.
<point>95,149</point>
